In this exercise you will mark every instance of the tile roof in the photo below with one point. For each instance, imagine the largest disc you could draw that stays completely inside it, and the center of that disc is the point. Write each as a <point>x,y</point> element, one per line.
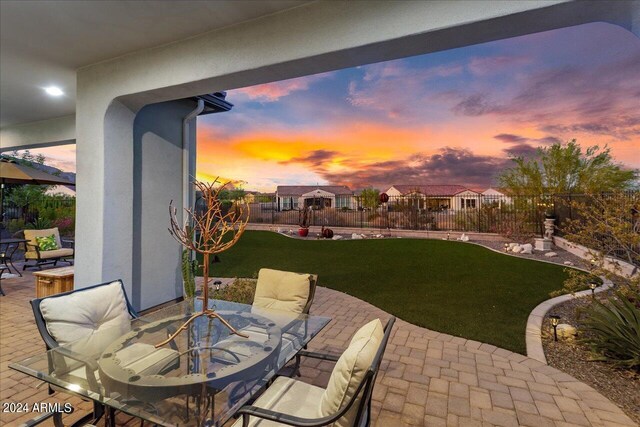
<point>298,190</point>
<point>431,190</point>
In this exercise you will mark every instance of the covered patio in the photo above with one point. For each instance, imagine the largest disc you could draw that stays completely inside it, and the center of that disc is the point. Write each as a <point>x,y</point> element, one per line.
<point>131,113</point>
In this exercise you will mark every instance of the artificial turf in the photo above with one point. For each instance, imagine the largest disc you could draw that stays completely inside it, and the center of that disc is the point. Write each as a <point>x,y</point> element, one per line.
<point>456,288</point>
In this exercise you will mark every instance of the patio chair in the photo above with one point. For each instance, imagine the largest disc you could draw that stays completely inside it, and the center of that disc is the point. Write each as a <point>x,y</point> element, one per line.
<point>85,321</point>
<point>39,257</point>
<point>279,291</point>
<point>345,402</point>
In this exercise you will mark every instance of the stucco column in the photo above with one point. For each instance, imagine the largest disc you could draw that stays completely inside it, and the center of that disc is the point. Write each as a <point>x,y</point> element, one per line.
<point>123,201</point>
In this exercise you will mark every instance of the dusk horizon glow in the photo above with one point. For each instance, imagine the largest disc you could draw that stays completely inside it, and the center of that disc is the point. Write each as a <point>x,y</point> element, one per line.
<point>451,117</point>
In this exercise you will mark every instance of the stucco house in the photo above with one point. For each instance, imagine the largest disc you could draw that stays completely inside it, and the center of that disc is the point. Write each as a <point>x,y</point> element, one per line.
<point>493,195</point>
<point>437,197</point>
<point>317,196</point>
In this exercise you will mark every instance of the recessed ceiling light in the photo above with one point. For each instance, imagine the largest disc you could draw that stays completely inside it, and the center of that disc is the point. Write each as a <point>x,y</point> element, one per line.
<point>54,91</point>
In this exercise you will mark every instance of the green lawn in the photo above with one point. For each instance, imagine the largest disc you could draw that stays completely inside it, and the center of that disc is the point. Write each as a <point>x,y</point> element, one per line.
<point>456,288</point>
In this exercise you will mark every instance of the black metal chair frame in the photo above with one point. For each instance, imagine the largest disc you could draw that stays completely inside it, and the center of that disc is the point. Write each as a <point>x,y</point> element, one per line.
<point>51,343</point>
<point>363,417</point>
<point>39,262</point>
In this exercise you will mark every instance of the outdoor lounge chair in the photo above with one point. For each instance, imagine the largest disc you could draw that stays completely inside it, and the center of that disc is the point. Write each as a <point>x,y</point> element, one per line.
<point>85,321</point>
<point>346,402</point>
<point>40,257</point>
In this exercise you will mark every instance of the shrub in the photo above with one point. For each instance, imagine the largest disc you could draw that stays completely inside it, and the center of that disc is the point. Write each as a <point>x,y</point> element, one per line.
<point>15,225</point>
<point>241,290</point>
<point>39,224</point>
<point>612,330</point>
<point>66,226</point>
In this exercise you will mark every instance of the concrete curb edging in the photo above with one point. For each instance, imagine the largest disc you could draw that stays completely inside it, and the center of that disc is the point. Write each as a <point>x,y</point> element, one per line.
<point>533,333</point>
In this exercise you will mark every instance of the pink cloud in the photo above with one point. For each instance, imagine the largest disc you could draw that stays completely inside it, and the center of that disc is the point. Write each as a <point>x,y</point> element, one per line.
<point>270,92</point>
<point>482,66</point>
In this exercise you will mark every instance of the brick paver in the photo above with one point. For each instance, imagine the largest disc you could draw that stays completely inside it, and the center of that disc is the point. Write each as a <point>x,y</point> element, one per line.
<point>427,378</point>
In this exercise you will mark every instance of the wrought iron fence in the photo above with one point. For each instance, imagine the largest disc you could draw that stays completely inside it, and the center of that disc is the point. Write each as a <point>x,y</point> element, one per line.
<point>470,213</point>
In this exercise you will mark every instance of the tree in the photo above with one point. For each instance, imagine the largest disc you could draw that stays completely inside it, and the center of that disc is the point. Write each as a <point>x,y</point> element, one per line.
<point>370,198</point>
<point>609,225</point>
<point>565,168</point>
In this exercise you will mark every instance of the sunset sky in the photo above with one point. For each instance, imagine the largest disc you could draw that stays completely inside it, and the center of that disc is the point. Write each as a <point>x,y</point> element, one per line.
<point>452,117</point>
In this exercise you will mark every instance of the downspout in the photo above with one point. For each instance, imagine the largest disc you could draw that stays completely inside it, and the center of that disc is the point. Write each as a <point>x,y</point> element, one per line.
<point>186,154</point>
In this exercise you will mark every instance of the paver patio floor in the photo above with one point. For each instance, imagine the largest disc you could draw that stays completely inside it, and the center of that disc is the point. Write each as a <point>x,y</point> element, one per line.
<point>427,378</point>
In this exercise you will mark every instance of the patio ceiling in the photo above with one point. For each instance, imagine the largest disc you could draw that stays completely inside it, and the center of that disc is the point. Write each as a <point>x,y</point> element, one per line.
<point>44,42</point>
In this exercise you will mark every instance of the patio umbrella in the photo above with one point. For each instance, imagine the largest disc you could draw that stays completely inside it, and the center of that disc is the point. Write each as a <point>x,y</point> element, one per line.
<point>15,173</point>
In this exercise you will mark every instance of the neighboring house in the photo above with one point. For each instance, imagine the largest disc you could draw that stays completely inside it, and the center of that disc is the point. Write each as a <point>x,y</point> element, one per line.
<point>492,195</point>
<point>437,197</point>
<point>317,196</point>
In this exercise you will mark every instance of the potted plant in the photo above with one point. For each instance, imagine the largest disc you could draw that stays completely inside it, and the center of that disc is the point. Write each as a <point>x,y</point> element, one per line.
<point>304,217</point>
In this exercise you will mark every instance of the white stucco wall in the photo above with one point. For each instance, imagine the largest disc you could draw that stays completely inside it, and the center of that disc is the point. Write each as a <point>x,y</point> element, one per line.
<point>318,37</point>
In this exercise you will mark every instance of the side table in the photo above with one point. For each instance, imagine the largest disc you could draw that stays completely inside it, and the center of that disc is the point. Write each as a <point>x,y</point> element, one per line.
<point>54,281</point>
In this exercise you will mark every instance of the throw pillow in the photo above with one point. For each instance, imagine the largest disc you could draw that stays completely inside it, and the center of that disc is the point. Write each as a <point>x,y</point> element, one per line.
<point>47,243</point>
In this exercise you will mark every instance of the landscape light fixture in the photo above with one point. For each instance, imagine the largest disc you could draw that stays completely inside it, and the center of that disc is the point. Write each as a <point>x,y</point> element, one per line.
<point>217,283</point>
<point>593,285</point>
<point>554,322</point>
<point>53,91</point>
<point>506,247</point>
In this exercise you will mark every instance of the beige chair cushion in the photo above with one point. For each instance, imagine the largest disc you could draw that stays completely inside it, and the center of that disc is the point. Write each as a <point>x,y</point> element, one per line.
<point>282,290</point>
<point>349,372</point>
<point>96,315</point>
<point>287,396</point>
<point>56,253</point>
<point>31,235</point>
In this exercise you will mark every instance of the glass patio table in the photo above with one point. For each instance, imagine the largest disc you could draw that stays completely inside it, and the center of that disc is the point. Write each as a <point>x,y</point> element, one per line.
<point>201,378</point>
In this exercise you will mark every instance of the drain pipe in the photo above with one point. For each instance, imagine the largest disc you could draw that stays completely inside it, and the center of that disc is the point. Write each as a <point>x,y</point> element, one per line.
<point>186,154</point>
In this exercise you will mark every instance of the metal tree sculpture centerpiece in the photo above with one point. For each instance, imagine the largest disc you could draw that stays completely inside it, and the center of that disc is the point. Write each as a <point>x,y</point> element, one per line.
<point>209,231</point>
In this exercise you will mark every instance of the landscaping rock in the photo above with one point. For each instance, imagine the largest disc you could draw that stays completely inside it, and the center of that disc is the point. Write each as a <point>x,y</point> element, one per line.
<point>566,332</point>
<point>550,254</point>
<point>526,248</point>
<point>355,236</point>
<point>463,238</point>
<point>336,237</point>
<point>516,249</point>
<point>568,263</point>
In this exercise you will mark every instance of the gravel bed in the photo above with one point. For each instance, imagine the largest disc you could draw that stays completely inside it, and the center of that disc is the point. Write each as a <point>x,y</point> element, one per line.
<point>621,386</point>
<point>562,255</point>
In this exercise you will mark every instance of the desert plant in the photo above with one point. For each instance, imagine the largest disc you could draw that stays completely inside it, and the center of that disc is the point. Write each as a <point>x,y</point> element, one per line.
<point>304,217</point>
<point>612,330</point>
<point>39,224</point>
<point>608,225</point>
<point>189,268</point>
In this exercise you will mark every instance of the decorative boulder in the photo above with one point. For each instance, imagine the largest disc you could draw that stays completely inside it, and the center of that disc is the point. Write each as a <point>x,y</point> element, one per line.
<point>566,332</point>
<point>516,249</point>
<point>512,245</point>
<point>464,238</point>
<point>550,254</point>
<point>527,248</point>
<point>355,236</point>
<point>568,263</point>
<point>337,237</point>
